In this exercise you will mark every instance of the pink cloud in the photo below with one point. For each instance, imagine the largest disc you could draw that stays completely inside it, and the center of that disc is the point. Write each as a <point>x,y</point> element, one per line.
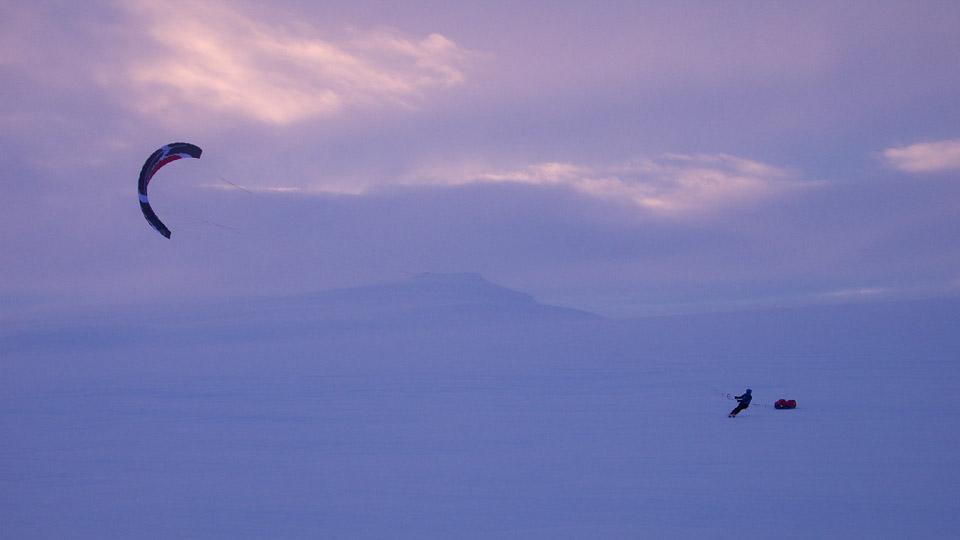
<point>223,60</point>
<point>925,157</point>
<point>676,185</point>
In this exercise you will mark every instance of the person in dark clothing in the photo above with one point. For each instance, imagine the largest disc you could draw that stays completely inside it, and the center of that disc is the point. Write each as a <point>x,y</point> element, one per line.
<point>743,401</point>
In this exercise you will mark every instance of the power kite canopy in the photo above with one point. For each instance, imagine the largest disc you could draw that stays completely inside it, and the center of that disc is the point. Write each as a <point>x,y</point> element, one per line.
<point>158,159</point>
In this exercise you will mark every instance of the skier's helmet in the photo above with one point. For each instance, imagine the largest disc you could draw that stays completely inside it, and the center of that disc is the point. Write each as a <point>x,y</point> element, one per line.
<point>749,390</point>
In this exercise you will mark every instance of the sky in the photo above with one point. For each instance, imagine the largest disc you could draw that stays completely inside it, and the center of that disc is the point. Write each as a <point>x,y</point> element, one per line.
<point>628,159</point>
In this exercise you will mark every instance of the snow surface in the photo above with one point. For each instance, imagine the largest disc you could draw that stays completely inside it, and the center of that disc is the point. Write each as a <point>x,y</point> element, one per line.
<point>446,407</point>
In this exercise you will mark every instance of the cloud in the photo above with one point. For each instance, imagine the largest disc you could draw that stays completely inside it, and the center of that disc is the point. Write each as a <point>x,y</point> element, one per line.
<point>925,157</point>
<point>672,184</point>
<point>858,293</point>
<point>219,58</point>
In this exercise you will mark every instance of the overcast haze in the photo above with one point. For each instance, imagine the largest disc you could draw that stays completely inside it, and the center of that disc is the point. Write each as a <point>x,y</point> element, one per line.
<point>628,159</point>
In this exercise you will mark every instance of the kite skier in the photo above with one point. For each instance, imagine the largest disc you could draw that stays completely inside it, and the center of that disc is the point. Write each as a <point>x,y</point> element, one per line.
<point>743,401</point>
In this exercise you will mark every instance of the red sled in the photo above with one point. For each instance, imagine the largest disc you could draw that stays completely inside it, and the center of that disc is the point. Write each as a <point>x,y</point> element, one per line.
<point>785,404</point>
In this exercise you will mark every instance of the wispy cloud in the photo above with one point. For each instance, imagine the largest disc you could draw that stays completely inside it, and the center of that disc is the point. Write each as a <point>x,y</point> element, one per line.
<point>858,293</point>
<point>925,157</point>
<point>672,184</point>
<point>218,58</point>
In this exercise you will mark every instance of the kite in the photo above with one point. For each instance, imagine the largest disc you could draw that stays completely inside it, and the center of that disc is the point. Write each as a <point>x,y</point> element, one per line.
<point>159,158</point>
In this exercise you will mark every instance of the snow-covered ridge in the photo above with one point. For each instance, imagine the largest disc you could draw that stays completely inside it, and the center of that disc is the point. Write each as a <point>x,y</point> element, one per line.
<point>428,300</point>
<point>429,291</point>
<point>427,297</point>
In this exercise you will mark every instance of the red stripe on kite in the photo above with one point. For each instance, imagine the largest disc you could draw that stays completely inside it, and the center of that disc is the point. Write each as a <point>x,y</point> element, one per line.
<point>161,163</point>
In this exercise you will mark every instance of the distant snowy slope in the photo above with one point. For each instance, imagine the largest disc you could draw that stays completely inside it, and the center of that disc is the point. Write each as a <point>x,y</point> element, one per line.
<point>427,300</point>
<point>454,295</point>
